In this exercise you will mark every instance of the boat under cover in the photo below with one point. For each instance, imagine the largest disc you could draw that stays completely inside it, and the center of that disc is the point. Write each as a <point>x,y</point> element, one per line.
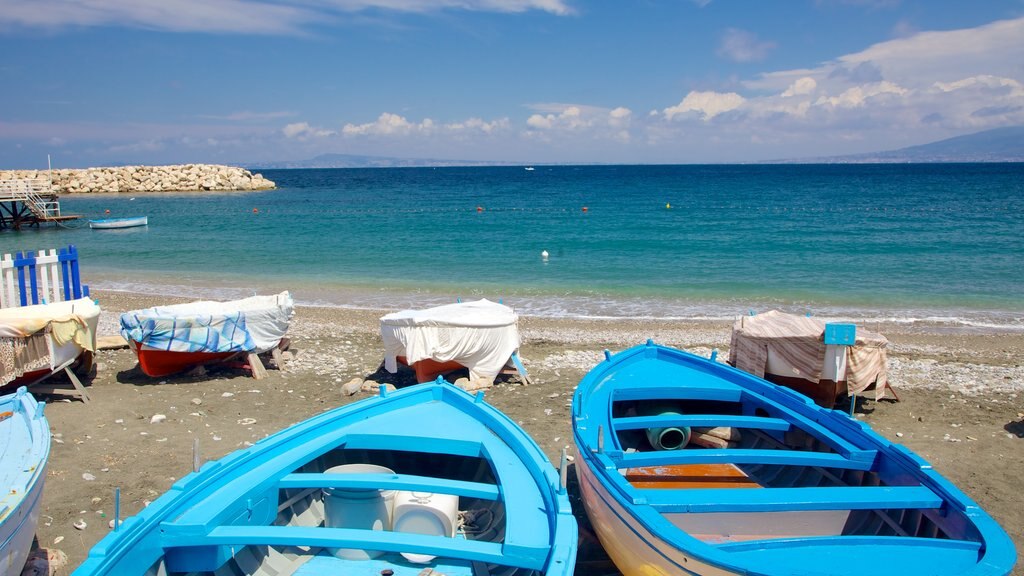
<point>24,453</point>
<point>266,509</point>
<point>689,466</point>
<point>481,336</point>
<point>169,339</point>
<point>43,338</point>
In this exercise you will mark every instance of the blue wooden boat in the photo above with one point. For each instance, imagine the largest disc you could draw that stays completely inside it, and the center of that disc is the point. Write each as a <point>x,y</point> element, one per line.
<point>24,452</point>
<point>315,499</point>
<point>688,466</point>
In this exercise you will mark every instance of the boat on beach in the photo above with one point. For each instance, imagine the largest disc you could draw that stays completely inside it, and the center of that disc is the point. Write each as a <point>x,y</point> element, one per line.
<point>25,447</point>
<point>689,466</point>
<point>115,223</point>
<point>43,339</point>
<point>174,338</point>
<point>481,335</point>
<point>374,487</point>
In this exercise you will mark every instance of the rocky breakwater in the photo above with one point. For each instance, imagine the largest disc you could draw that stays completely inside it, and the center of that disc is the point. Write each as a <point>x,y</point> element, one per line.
<point>179,178</point>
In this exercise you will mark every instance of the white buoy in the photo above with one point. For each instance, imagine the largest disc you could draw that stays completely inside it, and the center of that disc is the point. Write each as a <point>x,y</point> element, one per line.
<point>544,255</point>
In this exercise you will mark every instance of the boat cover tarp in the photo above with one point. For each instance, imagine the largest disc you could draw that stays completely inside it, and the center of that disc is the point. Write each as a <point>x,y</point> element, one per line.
<point>789,345</point>
<point>480,335</point>
<point>254,324</point>
<point>29,334</point>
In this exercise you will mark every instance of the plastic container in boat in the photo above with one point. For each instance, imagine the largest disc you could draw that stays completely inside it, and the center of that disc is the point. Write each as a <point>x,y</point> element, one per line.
<point>425,513</point>
<point>364,509</point>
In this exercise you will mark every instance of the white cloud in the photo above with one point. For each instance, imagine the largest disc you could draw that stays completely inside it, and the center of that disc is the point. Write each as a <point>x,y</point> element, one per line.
<point>303,131</point>
<point>394,125</point>
<point>804,85</point>
<point>742,46</point>
<point>859,95</point>
<point>706,104</point>
<point>579,120</point>
<point>234,16</point>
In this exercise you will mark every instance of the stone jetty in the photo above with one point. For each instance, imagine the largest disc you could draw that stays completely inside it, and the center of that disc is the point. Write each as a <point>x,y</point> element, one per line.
<point>179,178</point>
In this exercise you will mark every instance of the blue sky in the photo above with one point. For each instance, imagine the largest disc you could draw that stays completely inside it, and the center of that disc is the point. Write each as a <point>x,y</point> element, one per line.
<point>100,82</point>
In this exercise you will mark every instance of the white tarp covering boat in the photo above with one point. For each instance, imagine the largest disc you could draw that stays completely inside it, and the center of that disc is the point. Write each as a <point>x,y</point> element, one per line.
<point>480,335</point>
<point>779,346</point>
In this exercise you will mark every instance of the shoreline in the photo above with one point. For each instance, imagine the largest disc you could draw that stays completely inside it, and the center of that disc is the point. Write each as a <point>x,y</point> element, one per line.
<point>961,408</point>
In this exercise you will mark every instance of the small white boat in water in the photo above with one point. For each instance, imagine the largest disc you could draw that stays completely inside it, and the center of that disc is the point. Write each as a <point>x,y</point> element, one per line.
<point>110,223</point>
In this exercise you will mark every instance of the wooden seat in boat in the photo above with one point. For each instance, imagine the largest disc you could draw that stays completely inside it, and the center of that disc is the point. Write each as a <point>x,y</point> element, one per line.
<point>689,476</point>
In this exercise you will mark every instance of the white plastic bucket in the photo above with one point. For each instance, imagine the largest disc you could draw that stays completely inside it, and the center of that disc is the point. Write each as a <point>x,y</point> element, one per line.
<point>363,509</point>
<point>425,513</point>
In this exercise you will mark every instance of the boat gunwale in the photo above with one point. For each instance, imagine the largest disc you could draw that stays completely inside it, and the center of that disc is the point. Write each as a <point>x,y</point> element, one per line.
<point>996,547</point>
<point>197,487</point>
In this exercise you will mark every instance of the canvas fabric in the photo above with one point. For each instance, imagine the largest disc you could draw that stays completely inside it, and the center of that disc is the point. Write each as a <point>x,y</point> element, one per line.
<point>480,335</point>
<point>789,345</point>
<point>254,324</point>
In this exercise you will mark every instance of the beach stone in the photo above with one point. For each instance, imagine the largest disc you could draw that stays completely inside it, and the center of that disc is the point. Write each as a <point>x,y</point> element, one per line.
<point>157,418</point>
<point>352,386</point>
<point>176,178</point>
<point>88,477</point>
<point>197,401</point>
<point>370,386</point>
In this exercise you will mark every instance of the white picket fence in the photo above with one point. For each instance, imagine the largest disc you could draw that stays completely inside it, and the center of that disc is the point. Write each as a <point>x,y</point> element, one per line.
<point>47,276</point>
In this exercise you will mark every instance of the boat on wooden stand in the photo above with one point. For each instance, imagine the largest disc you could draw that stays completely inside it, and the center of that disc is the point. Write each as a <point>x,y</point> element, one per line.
<point>688,466</point>
<point>174,338</point>
<point>374,487</point>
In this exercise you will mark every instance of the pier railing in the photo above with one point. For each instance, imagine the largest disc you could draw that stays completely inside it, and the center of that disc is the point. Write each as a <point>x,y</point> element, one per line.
<point>41,278</point>
<point>31,192</point>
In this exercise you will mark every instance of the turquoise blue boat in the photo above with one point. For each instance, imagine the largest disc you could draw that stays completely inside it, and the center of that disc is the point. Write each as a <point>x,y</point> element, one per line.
<point>24,453</point>
<point>425,477</point>
<point>689,466</point>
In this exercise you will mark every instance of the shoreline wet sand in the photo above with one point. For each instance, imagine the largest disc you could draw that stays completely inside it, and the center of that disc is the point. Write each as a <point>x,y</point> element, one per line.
<point>961,408</point>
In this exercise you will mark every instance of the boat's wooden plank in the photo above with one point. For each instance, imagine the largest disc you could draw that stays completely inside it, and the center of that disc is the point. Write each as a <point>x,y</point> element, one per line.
<point>709,500</point>
<point>391,482</point>
<point>173,536</point>
<point>700,421</point>
<point>724,392</point>
<point>689,476</point>
<point>737,456</point>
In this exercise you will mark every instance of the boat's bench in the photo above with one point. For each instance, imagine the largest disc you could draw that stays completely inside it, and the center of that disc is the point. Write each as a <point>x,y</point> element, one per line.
<point>721,500</point>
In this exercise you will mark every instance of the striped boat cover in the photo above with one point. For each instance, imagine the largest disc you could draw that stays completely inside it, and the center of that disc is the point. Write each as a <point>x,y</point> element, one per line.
<point>794,346</point>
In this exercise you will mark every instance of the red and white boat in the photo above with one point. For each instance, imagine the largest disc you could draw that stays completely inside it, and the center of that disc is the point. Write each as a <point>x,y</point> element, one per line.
<point>171,339</point>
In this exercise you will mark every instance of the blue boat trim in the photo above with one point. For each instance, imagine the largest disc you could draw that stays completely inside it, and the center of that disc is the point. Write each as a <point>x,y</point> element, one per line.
<point>700,421</point>
<point>721,500</point>
<point>737,456</point>
<point>409,482</point>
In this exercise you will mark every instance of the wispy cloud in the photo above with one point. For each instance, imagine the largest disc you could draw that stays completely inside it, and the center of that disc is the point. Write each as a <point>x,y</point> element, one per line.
<point>303,131</point>
<point>742,46</point>
<point>248,116</point>
<point>285,17</point>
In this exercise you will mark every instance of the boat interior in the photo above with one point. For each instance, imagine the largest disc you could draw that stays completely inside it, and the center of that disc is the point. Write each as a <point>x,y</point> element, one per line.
<point>742,474</point>
<point>285,526</point>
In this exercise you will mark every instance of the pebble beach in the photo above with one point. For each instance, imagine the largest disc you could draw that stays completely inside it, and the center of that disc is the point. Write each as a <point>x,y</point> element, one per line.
<point>961,407</point>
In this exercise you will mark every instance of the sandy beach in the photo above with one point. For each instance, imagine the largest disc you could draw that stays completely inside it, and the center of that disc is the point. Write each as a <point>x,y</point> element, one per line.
<point>961,408</point>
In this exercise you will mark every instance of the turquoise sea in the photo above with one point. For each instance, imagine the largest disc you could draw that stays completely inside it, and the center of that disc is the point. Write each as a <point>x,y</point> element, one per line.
<point>942,242</point>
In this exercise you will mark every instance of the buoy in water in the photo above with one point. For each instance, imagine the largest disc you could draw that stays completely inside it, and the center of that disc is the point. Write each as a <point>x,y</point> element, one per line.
<point>544,255</point>
<point>479,208</point>
<point>584,208</point>
<point>668,206</point>
<point>255,210</point>
<point>106,211</point>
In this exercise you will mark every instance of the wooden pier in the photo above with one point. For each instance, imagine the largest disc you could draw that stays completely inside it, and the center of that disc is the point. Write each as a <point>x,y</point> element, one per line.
<point>29,203</point>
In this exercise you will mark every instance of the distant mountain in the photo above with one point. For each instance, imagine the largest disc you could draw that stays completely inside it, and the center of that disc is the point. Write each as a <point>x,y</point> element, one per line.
<point>357,161</point>
<point>997,145</point>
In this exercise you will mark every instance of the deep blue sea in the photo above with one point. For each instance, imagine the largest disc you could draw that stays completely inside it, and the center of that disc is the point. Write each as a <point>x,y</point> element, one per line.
<point>905,242</point>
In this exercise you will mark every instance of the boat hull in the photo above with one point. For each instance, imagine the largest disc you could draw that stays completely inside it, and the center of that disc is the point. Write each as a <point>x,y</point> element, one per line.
<point>23,471</point>
<point>116,223</point>
<point>62,354</point>
<point>156,363</point>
